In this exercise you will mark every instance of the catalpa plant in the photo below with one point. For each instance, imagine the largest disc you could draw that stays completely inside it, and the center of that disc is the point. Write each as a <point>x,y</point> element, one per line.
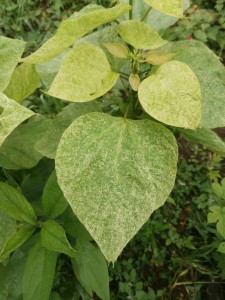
<point>125,91</point>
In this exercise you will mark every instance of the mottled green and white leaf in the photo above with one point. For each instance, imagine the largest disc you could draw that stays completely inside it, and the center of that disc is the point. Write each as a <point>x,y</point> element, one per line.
<point>75,28</point>
<point>85,74</point>
<point>117,49</point>
<point>11,115</point>
<point>172,7</point>
<point>140,35</point>
<point>24,81</point>
<point>134,163</point>
<point>211,75</point>
<point>206,137</point>
<point>10,51</point>
<point>47,145</point>
<point>134,81</point>
<point>172,95</point>
<point>158,58</point>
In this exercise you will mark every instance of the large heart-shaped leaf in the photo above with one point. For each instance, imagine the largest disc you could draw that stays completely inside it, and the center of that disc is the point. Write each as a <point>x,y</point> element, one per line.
<point>11,115</point>
<point>140,35</point>
<point>85,74</point>
<point>10,51</point>
<point>114,173</point>
<point>172,7</point>
<point>211,75</point>
<point>172,95</point>
<point>74,28</point>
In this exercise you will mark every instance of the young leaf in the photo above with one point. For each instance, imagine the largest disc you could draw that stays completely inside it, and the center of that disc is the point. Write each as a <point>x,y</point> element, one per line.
<point>73,29</point>
<point>211,75</point>
<point>134,81</point>
<point>158,58</point>
<point>172,95</point>
<point>24,81</point>
<point>7,230</point>
<point>53,237</point>
<point>140,35</point>
<point>117,49</point>
<point>91,270</point>
<point>10,51</point>
<point>47,145</point>
<point>18,238</point>
<point>12,115</point>
<point>217,214</point>
<point>14,205</point>
<point>53,200</point>
<point>219,189</point>
<point>39,273</point>
<point>206,137</point>
<point>17,152</point>
<point>134,162</point>
<point>171,7</point>
<point>84,75</point>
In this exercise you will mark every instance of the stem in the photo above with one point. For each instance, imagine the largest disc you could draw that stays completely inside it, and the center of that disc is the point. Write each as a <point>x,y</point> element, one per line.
<point>131,10</point>
<point>146,14</point>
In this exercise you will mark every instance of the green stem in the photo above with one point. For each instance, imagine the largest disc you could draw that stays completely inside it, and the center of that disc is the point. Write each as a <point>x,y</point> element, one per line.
<point>131,10</point>
<point>146,14</point>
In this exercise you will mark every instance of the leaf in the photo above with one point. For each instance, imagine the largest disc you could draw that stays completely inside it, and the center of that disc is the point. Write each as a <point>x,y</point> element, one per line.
<point>53,200</point>
<point>114,173</point>
<point>134,81</point>
<point>171,7</point>
<point>117,49</point>
<point>7,229</point>
<point>158,58</point>
<point>221,247</point>
<point>14,205</point>
<point>17,152</point>
<point>211,75</point>
<point>10,51</point>
<point>172,95</point>
<point>24,82</point>
<point>103,36</point>
<point>206,137</point>
<point>217,214</point>
<point>18,238</point>
<point>73,29</point>
<point>47,145</point>
<point>11,116</point>
<point>140,35</point>
<point>74,227</point>
<point>219,189</point>
<point>53,237</point>
<point>39,273</point>
<point>84,75</point>
<point>91,270</point>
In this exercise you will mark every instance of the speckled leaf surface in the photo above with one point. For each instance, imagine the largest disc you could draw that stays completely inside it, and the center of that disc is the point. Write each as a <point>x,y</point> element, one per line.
<point>11,115</point>
<point>211,75</point>
<point>140,35</point>
<point>170,7</point>
<point>172,95</point>
<point>206,137</point>
<point>24,81</point>
<point>85,74</point>
<point>73,29</point>
<point>48,143</point>
<point>114,173</point>
<point>10,51</point>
